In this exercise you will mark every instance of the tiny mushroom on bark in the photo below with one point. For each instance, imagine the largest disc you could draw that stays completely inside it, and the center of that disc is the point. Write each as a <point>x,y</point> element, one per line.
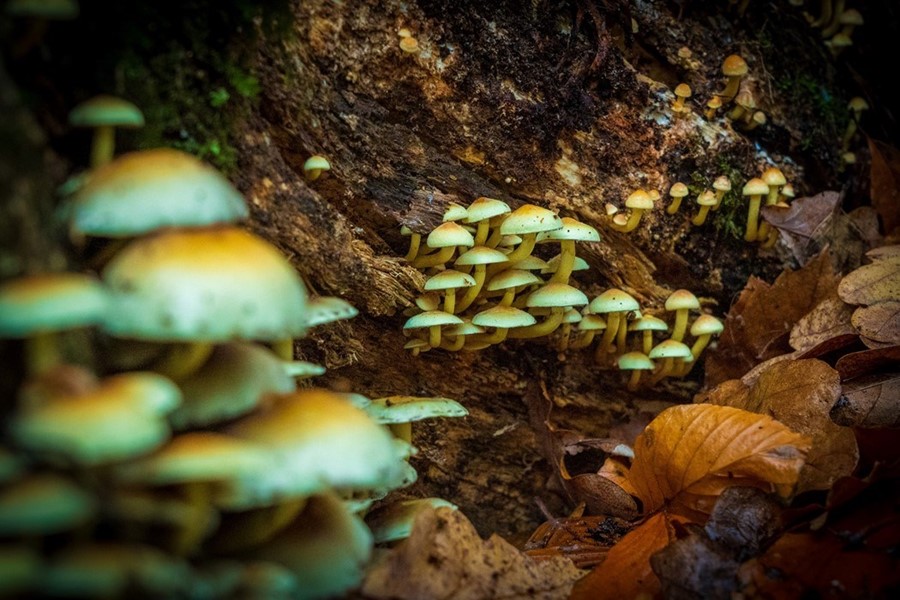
<point>314,166</point>
<point>702,329</point>
<point>432,320</point>
<point>527,221</point>
<point>571,231</point>
<point>588,327</point>
<point>454,338</point>
<point>509,281</point>
<point>677,192</point>
<point>856,105</point>
<point>555,296</point>
<point>647,325</point>
<point>480,212</point>
<point>446,238</point>
<point>722,185</point>
<point>705,201</point>
<point>635,362</point>
<point>409,45</point>
<point>104,113</point>
<point>502,319</point>
<point>638,201</point>
<point>682,92</point>
<point>774,178</point>
<point>754,189</point>
<point>616,304</point>
<point>681,302</point>
<point>449,281</point>
<point>714,104</point>
<point>669,350</point>
<point>734,68</point>
<point>399,412</point>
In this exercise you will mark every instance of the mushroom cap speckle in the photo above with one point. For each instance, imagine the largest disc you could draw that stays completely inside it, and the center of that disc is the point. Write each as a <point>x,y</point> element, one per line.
<point>571,229</point>
<point>449,280</point>
<point>613,300</point>
<point>529,218</point>
<point>151,189</point>
<point>211,285</point>
<point>106,110</point>
<point>682,299</point>
<point>50,302</point>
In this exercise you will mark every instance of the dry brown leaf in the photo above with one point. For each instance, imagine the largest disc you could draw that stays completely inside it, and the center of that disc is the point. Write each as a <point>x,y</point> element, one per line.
<point>445,558</point>
<point>699,450</point>
<point>869,401</point>
<point>600,492</point>
<point>825,328</point>
<point>879,322</point>
<point>626,572</point>
<point>870,284</point>
<point>883,252</point>
<point>856,364</point>
<point>757,326</point>
<point>805,215</point>
<point>800,394</point>
<point>885,182</point>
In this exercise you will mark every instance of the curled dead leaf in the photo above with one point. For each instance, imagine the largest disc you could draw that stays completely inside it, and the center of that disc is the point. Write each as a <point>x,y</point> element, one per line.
<point>805,216</point>
<point>856,364</point>
<point>825,328</point>
<point>869,401</point>
<point>879,322</point>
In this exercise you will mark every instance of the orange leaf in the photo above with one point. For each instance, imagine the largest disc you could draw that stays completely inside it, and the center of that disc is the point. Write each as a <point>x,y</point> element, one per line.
<point>702,449</point>
<point>885,182</point>
<point>626,572</point>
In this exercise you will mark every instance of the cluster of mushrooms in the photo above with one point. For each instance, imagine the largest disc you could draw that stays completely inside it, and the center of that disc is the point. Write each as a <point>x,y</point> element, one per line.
<point>183,460</point>
<point>484,286</point>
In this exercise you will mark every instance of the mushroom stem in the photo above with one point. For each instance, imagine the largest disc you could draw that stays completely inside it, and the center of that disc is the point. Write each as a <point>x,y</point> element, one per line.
<point>678,329</point>
<point>564,332</point>
<point>402,431</point>
<point>700,218</point>
<point>482,232</point>
<point>41,352</point>
<point>433,260</point>
<point>634,380</point>
<point>731,89</point>
<point>771,239</point>
<point>825,12</point>
<point>183,359</point>
<point>545,327</point>
<point>472,291</point>
<point>647,341</point>
<point>414,241</point>
<point>566,262</point>
<point>494,239</point>
<point>752,217</point>
<point>633,219</point>
<point>612,328</point>
<point>674,206</point>
<point>284,349</point>
<point>508,297</point>
<point>434,336</point>
<point>454,346</point>
<point>522,251</point>
<point>104,145</point>
<point>696,350</point>
<point>450,301</point>
<point>583,340</point>
<point>622,334</point>
<point>664,371</point>
<point>499,335</point>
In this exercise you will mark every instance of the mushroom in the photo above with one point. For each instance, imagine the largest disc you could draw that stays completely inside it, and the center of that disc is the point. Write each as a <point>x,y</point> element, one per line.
<point>755,188</point>
<point>682,92</point>
<point>555,296</point>
<point>480,213</point>
<point>714,104</point>
<point>702,329</point>
<point>677,192</point>
<point>638,201</point>
<point>722,185</point>
<point>588,328</point>
<point>832,25</point>
<point>527,221</point>
<point>327,309</point>
<point>449,281</point>
<point>681,302</point>
<point>705,201</point>
<point>416,345</point>
<point>571,231</point>
<point>314,166</point>
<point>774,178</point>
<point>458,334</point>
<point>509,281</point>
<point>734,68</point>
<point>635,362</point>
<point>409,45</point>
<point>399,412</point>
<point>647,324</point>
<point>36,307</point>
<point>744,104</point>
<point>502,319</point>
<point>616,304</point>
<point>480,257</point>
<point>849,20</point>
<point>856,105</point>
<point>432,320</point>
<point>415,239</point>
<point>668,350</point>
<point>571,316</point>
<point>445,238</point>
<point>104,113</point>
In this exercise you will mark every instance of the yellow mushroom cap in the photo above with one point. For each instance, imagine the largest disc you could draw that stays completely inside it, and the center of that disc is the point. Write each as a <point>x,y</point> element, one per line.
<point>449,280</point>
<point>480,255</point>
<point>714,103</point>
<point>533,263</point>
<point>431,318</point>
<point>511,278</point>
<point>683,90</point>
<point>707,198</point>
<point>556,295</point>
<point>858,104</point>
<point>787,191</point>
<point>455,212</point>
<point>591,323</point>
<point>678,190</point>
<point>316,162</point>
<point>613,300</point>
<point>529,218</point>
<point>734,65</point>
<point>106,110</point>
<point>851,16</point>
<point>210,285</point>
<point>682,299</point>
<point>50,302</point>
<point>670,349</point>
<point>773,177</point>
<point>486,208</point>
<point>505,317</point>
<point>406,409</point>
<point>722,184</point>
<point>409,45</point>
<point>706,325</point>
<point>449,234</point>
<point>553,264</point>
<point>639,199</point>
<point>571,229</point>
<point>648,323</point>
<point>755,187</point>
<point>635,361</point>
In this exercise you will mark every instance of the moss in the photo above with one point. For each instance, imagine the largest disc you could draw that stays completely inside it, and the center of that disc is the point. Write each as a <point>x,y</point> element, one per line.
<point>809,96</point>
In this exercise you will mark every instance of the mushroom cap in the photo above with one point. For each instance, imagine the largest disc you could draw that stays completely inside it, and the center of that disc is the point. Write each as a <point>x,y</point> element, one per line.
<point>707,198</point>
<point>755,187</point>
<point>579,264</point>
<point>613,300</point>
<point>202,456</point>
<point>43,504</point>
<point>327,309</point>
<point>406,409</point>
<point>745,99</point>
<point>683,90</point>
<point>394,521</point>
<point>759,117</point>
<point>858,104</point>
<point>678,190</point>
<point>787,191</point>
<point>639,199</point>
<point>714,102</point>
<point>428,302</point>
<point>208,285</point>
<point>151,189</point>
<point>706,325</point>
<point>449,234</point>
<point>840,40</point>
<point>480,255</point>
<point>773,177</point>
<point>634,361</point>
<point>431,318</point>
<point>620,219</point>
<point>648,323</point>
<point>50,302</point>
<point>455,212</point>
<point>851,16</point>
<point>572,316</point>
<point>505,317</point>
<point>556,295</point>
<point>722,184</point>
<point>591,322</point>
<point>316,162</point>
<point>106,110</point>
<point>409,45</point>
<point>316,440</point>
<point>511,278</point>
<point>124,416</point>
<point>464,328</point>
<point>681,300</point>
<point>232,382</point>
<point>416,343</point>
<point>449,280</point>
<point>529,218</point>
<point>531,263</point>
<point>670,349</point>
<point>734,66</point>
<point>486,208</point>
<point>571,229</point>
<point>45,9</point>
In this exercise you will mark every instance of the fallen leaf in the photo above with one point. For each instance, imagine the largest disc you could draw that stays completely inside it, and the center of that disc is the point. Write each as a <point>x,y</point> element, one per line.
<point>585,540</point>
<point>885,182</point>
<point>874,344</point>
<point>867,361</point>
<point>864,219</point>
<point>444,557</point>
<point>869,401</point>
<point>626,572</point>
<point>757,326</point>
<point>883,252</point>
<point>695,567</point>
<point>800,394</point>
<point>600,492</point>
<point>805,215</point>
<point>699,450</point>
<point>879,322</point>
<point>825,328</point>
<point>744,520</point>
<point>873,283</point>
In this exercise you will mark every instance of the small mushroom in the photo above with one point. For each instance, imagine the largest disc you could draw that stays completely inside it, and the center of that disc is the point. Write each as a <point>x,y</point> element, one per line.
<point>722,185</point>
<point>702,329</point>
<point>104,113</point>
<point>527,221</point>
<point>481,212</point>
<point>705,201</point>
<point>446,238</point>
<point>681,302</point>
<point>502,319</point>
<point>616,304</point>
<point>774,178</point>
<point>314,166</point>
<point>856,105</point>
<point>409,45</point>
<point>571,231</point>
<point>449,281</point>
<point>714,104</point>
<point>734,68</point>
<point>647,325</point>
<point>399,412</point>
<point>555,296</point>
<point>682,92</point>
<point>677,192</point>
<point>635,362</point>
<point>639,201</point>
<point>668,350</point>
<point>432,320</point>
<point>754,189</point>
<point>588,328</point>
